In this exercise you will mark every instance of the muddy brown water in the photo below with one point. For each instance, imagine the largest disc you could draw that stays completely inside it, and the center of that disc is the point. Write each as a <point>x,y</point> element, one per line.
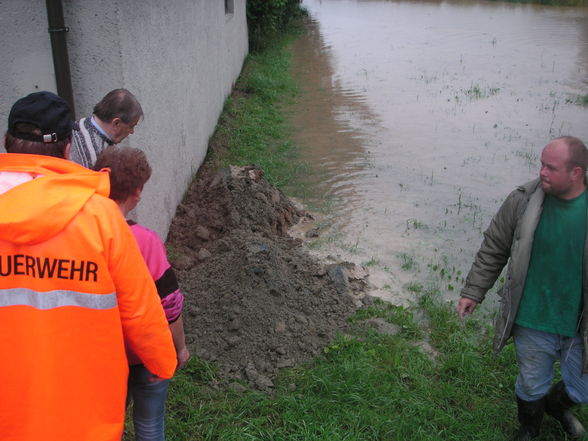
<point>418,117</point>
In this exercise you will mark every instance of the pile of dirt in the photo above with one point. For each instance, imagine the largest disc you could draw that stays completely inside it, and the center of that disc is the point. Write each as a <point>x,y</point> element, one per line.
<point>256,300</point>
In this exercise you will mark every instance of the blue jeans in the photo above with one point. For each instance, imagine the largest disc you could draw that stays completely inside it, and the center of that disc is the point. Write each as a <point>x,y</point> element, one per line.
<point>148,404</point>
<point>537,351</point>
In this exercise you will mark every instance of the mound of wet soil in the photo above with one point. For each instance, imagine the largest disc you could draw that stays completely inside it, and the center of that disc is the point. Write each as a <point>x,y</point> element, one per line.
<point>256,300</point>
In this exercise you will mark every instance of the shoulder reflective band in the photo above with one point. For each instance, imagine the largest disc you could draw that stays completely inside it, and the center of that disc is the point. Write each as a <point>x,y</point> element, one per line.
<point>55,299</point>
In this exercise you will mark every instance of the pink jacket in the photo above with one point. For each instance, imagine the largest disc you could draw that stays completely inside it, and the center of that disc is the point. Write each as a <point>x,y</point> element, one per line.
<point>153,251</point>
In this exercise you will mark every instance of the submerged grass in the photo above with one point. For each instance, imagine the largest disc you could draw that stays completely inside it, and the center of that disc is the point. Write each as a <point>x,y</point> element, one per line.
<point>477,92</point>
<point>582,100</point>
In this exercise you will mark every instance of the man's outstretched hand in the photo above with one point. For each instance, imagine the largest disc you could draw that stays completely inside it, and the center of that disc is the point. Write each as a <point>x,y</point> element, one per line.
<point>465,307</point>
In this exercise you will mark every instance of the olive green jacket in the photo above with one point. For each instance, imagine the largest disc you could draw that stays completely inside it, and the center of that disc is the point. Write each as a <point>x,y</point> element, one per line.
<point>510,236</point>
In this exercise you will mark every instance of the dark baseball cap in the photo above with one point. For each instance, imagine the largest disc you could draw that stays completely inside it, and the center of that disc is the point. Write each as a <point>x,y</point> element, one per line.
<point>46,111</point>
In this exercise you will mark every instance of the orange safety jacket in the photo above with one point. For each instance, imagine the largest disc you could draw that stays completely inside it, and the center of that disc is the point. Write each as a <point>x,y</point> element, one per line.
<point>73,288</point>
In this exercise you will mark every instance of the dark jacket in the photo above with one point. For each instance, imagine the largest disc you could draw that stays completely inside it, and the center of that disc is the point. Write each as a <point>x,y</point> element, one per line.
<point>509,238</point>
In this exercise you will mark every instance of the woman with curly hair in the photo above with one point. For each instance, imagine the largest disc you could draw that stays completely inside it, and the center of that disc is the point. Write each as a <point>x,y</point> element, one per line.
<point>129,171</point>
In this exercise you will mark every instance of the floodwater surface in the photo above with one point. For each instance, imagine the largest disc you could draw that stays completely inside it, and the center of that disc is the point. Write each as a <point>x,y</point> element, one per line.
<point>418,118</point>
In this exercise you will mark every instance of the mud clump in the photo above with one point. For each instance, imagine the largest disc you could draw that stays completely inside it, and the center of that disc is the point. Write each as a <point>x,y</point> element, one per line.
<point>256,301</point>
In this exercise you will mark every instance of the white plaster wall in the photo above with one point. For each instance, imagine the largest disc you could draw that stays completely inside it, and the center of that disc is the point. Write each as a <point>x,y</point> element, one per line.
<point>179,58</point>
<point>27,65</point>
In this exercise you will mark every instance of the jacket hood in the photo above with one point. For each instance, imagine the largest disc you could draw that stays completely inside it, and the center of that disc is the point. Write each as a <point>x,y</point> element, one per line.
<point>39,209</point>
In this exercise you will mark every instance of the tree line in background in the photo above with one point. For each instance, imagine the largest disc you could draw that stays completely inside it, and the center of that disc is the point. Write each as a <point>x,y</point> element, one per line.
<point>265,18</point>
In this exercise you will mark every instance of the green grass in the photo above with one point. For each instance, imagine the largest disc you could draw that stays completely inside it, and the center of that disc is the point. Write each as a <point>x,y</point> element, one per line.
<point>252,127</point>
<point>367,386</point>
<point>414,287</point>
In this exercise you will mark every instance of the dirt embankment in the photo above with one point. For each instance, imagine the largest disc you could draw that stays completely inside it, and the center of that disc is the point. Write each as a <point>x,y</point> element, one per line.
<point>256,300</point>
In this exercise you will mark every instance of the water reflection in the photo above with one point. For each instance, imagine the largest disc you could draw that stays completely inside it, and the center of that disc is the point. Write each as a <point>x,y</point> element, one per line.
<point>332,146</point>
<point>419,118</point>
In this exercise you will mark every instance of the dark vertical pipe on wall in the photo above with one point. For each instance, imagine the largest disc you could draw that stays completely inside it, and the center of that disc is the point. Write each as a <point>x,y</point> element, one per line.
<point>57,31</point>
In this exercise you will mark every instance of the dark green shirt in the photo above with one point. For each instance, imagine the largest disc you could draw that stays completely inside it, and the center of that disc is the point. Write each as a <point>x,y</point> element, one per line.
<point>553,288</point>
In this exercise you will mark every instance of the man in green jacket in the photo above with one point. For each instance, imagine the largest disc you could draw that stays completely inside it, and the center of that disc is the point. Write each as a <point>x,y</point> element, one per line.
<point>540,231</point>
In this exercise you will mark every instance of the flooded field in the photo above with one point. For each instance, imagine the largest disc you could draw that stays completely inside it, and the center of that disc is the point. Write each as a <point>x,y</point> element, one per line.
<point>418,118</point>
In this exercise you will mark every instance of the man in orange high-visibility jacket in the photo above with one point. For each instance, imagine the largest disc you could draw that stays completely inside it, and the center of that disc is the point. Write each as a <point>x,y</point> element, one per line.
<point>73,287</point>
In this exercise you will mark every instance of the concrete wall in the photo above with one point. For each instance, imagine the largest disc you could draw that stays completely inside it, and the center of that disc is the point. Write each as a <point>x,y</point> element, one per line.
<point>179,58</point>
<point>27,65</point>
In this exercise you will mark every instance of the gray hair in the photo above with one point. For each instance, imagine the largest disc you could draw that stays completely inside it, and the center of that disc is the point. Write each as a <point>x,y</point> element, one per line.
<point>119,103</point>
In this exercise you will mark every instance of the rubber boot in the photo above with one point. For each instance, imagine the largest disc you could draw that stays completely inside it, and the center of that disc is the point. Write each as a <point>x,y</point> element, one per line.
<point>530,417</point>
<point>559,406</point>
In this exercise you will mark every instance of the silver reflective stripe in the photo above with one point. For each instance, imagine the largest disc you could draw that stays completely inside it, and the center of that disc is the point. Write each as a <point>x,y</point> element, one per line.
<point>55,299</point>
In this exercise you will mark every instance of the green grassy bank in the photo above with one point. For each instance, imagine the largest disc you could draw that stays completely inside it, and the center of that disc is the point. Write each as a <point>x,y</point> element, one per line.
<point>365,386</point>
<point>252,127</point>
